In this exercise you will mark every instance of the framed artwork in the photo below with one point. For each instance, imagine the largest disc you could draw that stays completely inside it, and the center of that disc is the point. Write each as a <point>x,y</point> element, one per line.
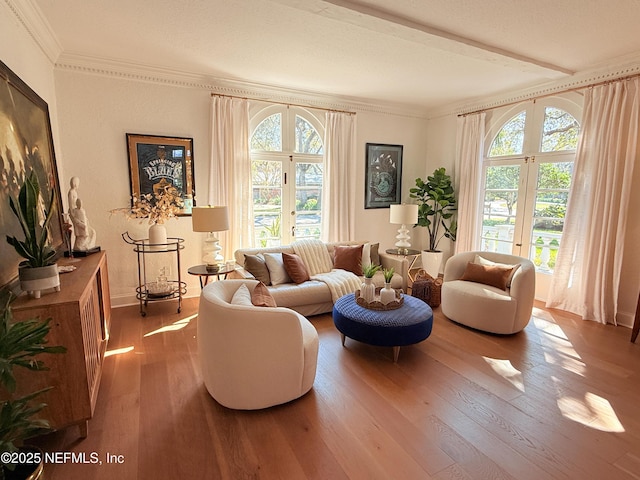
<point>155,161</point>
<point>26,144</point>
<point>383,175</point>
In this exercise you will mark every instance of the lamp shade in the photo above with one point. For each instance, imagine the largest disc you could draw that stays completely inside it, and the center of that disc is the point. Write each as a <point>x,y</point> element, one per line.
<point>405,214</point>
<point>210,219</point>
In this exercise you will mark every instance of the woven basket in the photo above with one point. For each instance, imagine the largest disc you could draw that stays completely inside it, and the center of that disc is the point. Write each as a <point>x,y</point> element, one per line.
<point>427,288</point>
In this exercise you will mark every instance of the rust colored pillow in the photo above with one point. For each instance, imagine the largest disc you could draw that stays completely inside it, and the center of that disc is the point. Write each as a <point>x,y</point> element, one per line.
<point>295,267</point>
<point>488,274</point>
<point>348,257</point>
<point>261,297</point>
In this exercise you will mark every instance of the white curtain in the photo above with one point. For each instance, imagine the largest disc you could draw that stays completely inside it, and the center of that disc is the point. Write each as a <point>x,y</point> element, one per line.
<point>338,192</point>
<point>587,271</point>
<point>467,178</point>
<point>230,172</point>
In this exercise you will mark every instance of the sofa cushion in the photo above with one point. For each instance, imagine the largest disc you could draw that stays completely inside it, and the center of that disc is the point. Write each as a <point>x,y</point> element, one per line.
<point>242,296</point>
<point>294,295</point>
<point>348,257</point>
<point>294,266</point>
<point>492,275</point>
<point>257,266</point>
<point>261,297</point>
<point>277,272</point>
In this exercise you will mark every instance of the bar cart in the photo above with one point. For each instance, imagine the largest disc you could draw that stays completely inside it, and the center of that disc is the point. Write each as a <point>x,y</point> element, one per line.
<point>162,288</point>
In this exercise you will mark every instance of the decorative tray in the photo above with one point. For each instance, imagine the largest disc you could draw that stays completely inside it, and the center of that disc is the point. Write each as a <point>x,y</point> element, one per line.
<point>377,304</point>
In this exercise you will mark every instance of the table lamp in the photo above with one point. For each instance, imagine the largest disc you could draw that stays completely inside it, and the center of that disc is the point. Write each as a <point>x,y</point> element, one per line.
<point>210,219</point>
<point>404,214</point>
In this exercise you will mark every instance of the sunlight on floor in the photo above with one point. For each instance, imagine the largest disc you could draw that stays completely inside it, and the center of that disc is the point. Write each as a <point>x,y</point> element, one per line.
<point>179,325</point>
<point>557,347</point>
<point>506,371</point>
<point>592,411</point>
<point>118,351</point>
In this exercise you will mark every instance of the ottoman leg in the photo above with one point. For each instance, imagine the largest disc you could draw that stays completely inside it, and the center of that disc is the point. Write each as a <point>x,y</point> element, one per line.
<point>396,352</point>
<point>342,337</point>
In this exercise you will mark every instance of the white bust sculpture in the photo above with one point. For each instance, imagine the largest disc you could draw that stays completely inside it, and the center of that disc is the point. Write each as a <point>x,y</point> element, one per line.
<point>85,234</point>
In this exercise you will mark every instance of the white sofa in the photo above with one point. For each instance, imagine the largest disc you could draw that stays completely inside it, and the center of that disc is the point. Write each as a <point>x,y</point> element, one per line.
<point>253,357</point>
<point>314,297</point>
<point>486,307</point>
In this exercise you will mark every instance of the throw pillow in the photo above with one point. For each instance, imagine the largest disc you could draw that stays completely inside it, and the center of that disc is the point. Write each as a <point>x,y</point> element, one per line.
<point>348,257</point>
<point>275,264</point>
<point>256,266</point>
<point>485,261</point>
<point>261,297</point>
<point>488,275</point>
<point>295,267</point>
<point>242,296</point>
<point>370,255</point>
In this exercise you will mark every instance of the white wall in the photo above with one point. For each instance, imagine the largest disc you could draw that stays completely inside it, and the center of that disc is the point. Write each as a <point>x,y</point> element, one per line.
<point>373,224</point>
<point>97,111</point>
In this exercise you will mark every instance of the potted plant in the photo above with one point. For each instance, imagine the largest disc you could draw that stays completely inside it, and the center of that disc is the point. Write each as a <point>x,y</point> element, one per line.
<point>387,294</point>
<point>436,209</point>
<point>39,271</point>
<point>368,289</point>
<point>20,344</point>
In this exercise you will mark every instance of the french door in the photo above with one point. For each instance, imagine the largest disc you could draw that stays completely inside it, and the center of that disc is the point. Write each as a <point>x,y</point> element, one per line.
<point>527,174</point>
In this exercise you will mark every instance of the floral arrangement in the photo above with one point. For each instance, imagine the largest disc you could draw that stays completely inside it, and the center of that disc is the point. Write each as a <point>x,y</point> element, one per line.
<point>158,207</point>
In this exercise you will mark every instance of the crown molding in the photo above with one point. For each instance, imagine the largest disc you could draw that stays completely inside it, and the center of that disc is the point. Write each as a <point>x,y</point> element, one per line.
<point>114,68</point>
<point>36,25</point>
<point>624,67</point>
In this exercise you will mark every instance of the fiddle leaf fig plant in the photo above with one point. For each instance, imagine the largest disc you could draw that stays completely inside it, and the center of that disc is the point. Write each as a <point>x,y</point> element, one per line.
<point>35,247</point>
<point>437,206</point>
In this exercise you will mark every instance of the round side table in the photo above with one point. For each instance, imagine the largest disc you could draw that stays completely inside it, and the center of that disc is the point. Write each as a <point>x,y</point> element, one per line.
<point>203,274</point>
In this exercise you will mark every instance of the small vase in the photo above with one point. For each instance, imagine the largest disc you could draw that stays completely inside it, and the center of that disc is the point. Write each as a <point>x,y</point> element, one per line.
<point>157,236</point>
<point>368,290</point>
<point>387,294</point>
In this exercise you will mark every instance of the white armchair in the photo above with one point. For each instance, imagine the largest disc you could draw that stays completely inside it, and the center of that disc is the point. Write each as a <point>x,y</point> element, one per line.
<point>486,307</point>
<point>253,357</point>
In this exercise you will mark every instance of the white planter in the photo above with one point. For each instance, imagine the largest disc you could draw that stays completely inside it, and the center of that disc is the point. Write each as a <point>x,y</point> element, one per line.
<point>34,280</point>
<point>431,262</point>
<point>387,294</point>
<point>368,290</point>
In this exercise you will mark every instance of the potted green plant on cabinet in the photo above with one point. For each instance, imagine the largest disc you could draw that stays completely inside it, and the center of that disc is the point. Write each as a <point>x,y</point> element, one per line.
<point>38,271</point>
<point>437,206</point>
<point>20,343</point>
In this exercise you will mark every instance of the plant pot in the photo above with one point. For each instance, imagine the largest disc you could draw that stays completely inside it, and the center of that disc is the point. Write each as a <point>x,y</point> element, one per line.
<point>368,290</point>
<point>27,471</point>
<point>35,279</point>
<point>431,262</point>
<point>387,294</point>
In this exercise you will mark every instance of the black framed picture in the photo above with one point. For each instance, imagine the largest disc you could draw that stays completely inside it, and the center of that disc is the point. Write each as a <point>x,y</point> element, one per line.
<point>383,175</point>
<point>26,144</point>
<point>155,161</point>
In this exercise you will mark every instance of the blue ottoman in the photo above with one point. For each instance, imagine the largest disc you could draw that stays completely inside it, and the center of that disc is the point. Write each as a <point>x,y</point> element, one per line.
<point>409,324</point>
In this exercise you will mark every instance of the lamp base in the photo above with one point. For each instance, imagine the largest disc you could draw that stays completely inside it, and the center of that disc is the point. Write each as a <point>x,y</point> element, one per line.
<point>403,238</point>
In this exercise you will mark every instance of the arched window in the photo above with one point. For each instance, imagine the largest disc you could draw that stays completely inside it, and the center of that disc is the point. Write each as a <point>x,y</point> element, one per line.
<point>287,172</point>
<point>527,175</point>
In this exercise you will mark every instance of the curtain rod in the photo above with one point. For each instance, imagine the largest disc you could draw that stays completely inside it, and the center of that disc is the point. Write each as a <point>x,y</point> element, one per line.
<point>284,103</point>
<point>574,89</point>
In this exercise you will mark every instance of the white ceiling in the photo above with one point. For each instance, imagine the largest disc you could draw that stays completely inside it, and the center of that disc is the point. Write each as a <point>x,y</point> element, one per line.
<point>421,53</point>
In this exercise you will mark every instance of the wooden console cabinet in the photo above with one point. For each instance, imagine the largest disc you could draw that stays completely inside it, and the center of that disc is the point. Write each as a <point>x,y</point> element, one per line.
<point>80,320</point>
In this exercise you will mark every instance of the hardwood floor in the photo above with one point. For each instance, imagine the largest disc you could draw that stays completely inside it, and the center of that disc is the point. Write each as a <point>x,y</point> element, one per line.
<point>559,400</point>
